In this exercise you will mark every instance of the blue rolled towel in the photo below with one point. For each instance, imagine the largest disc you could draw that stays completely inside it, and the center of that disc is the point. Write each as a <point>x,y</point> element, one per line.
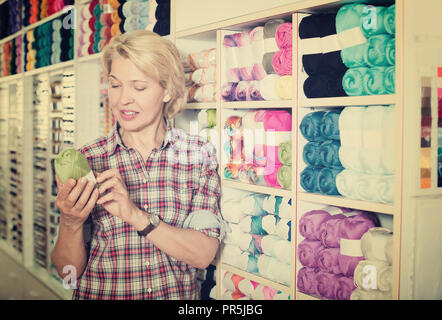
<point>310,154</point>
<point>309,179</point>
<point>374,81</point>
<point>327,180</point>
<point>390,79</point>
<point>390,20</point>
<point>330,124</point>
<point>390,51</point>
<point>311,126</point>
<point>353,80</point>
<point>376,51</point>
<point>329,154</point>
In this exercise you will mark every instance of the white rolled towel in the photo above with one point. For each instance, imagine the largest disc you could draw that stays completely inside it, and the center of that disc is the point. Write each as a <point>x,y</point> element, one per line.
<point>227,281</point>
<point>247,287</point>
<point>346,181</point>
<point>283,229</point>
<point>388,159</point>
<point>285,208</point>
<point>377,244</point>
<point>361,294</point>
<point>234,235</point>
<point>231,211</point>
<point>372,139</point>
<point>350,134</point>
<point>231,254</point>
<point>268,244</point>
<point>267,87</point>
<point>282,251</point>
<point>269,223</point>
<point>252,204</point>
<point>385,189</point>
<point>373,275</point>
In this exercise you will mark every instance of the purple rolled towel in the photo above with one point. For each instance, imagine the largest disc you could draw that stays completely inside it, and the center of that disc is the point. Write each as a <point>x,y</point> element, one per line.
<point>350,229</point>
<point>328,260</point>
<point>307,280</point>
<point>344,288</point>
<point>326,284</point>
<point>254,92</point>
<point>242,91</point>
<point>308,252</point>
<point>329,231</point>
<point>228,91</point>
<point>310,223</point>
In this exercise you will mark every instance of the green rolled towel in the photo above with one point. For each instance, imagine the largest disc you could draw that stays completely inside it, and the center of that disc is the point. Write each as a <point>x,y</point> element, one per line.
<point>376,51</point>
<point>285,177</point>
<point>373,20</point>
<point>285,152</point>
<point>207,118</point>
<point>374,81</point>
<point>352,81</point>
<point>349,17</point>
<point>390,79</point>
<point>390,20</point>
<point>390,51</point>
<point>71,163</point>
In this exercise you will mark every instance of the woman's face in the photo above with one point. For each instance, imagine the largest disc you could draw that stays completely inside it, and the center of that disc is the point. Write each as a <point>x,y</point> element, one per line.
<point>136,99</point>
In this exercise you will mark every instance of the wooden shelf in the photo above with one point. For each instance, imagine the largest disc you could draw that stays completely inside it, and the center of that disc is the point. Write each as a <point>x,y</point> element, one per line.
<point>348,101</point>
<point>49,68</point>
<point>303,296</point>
<point>255,188</point>
<point>348,203</point>
<point>11,252</point>
<point>50,282</point>
<point>90,57</point>
<point>258,104</point>
<point>257,278</point>
<point>201,105</point>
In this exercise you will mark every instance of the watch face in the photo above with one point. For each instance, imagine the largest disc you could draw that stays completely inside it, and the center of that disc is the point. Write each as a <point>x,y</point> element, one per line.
<point>154,219</point>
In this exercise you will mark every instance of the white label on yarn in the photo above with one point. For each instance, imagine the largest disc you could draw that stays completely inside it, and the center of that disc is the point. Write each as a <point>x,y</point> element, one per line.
<point>333,210</point>
<point>330,43</point>
<point>270,45</point>
<point>351,37</point>
<point>350,248</point>
<point>91,177</point>
<point>311,46</point>
<point>107,8</point>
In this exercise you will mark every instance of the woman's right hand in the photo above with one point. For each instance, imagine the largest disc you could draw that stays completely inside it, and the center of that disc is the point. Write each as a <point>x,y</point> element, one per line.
<point>75,200</point>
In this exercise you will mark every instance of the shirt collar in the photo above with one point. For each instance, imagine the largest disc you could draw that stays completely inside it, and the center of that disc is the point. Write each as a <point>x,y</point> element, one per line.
<point>115,138</point>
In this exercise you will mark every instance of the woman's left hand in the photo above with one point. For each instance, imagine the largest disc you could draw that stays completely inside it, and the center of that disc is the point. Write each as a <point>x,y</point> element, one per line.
<point>117,201</point>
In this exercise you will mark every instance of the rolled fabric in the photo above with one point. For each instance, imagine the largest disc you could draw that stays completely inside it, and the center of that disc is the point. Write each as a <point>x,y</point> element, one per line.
<point>346,182</point>
<point>267,63</point>
<point>329,231</point>
<point>326,284</point>
<point>380,271</point>
<point>269,223</point>
<point>207,118</point>
<point>390,51</point>
<point>384,189</point>
<point>277,120</point>
<point>373,81</point>
<point>377,244</point>
<point>268,243</point>
<point>283,229</point>
<point>323,86</point>
<point>308,251</point>
<point>285,153</point>
<point>253,225</point>
<point>376,50</point>
<point>230,281</point>
<point>270,46</point>
<point>310,154</point>
<point>327,260</point>
<point>232,64</point>
<point>283,35</point>
<point>231,254</point>
<point>370,26</point>
<point>353,81</point>
<point>251,205</point>
<point>310,126</point>
<point>309,179</point>
<point>310,33</point>
<point>271,175</point>
<point>72,164</point>
<point>372,139</point>
<point>327,180</point>
<point>282,61</point>
<point>360,294</point>
<point>242,91</point>
<point>228,91</point>
<point>258,49</point>
<point>233,295</point>
<point>204,75</point>
<point>311,221</point>
<point>282,251</point>
<point>251,243</point>
<point>268,87</point>
<point>390,80</point>
<point>344,287</point>
<point>284,87</point>
<point>234,235</point>
<point>284,177</point>
<point>244,54</point>
<point>231,211</point>
<point>248,287</point>
<point>330,124</point>
<point>390,20</point>
<point>329,154</point>
<point>307,281</point>
<point>388,158</point>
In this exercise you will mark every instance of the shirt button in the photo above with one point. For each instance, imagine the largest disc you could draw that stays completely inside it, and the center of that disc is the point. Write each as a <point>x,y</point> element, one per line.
<point>147,264</point>
<point>145,207</point>
<point>149,290</point>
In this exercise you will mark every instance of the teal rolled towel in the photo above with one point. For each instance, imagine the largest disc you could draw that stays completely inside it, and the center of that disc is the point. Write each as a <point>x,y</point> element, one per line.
<point>349,17</point>
<point>329,154</point>
<point>373,20</point>
<point>390,79</point>
<point>352,81</point>
<point>390,51</point>
<point>330,124</point>
<point>327,181</point>
<point>309,179</point>
<point>311,126</point>
<point>376,51</point>
<point>390,20</point>
<point>374,81</point>
<point>310,153</point>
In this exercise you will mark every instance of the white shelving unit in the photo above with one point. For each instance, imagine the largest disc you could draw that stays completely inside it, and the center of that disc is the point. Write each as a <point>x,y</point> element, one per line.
<point>415,214</point>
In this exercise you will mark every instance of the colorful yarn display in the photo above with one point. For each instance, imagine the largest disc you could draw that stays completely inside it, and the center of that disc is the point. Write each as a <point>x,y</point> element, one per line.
<point>10,57</point>
<point>331,250</point>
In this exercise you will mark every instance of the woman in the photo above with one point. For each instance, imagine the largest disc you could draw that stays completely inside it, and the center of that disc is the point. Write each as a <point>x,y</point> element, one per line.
<point>154,215</point>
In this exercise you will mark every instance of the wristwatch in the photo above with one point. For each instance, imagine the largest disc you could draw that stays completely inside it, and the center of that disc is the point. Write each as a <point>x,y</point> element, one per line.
<point>154,221</point>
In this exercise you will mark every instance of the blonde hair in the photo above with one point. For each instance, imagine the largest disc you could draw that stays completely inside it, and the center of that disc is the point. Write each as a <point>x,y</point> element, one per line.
<point>156,57</point>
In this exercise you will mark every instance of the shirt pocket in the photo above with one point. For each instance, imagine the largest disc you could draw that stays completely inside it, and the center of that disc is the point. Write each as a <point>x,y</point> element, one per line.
<point>177,203</point>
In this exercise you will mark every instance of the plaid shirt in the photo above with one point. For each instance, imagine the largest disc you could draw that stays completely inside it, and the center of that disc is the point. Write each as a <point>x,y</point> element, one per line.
<point>178,180</point>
